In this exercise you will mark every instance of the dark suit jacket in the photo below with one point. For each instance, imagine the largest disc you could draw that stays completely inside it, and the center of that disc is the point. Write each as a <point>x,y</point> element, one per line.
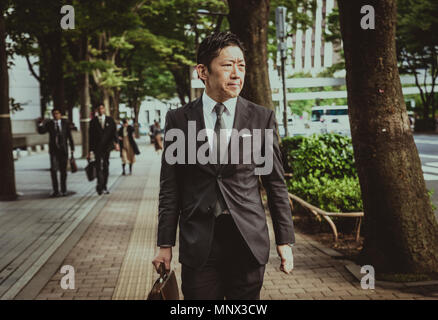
<point>65,137</point>
<point>131,140</point>
<point>102,140</point>
<point>188,191</point>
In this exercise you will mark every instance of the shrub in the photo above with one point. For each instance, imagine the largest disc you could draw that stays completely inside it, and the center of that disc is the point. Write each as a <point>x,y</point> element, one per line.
<point>324,173</point>
<point>333,195</point>
<point>287,145</point>
<point>329,155</point>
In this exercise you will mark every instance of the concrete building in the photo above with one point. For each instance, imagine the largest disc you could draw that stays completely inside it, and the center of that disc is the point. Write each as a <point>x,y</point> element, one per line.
<point>311,54</point>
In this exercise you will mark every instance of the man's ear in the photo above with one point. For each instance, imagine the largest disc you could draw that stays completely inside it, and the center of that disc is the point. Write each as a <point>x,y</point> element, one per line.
<point>202,71</point>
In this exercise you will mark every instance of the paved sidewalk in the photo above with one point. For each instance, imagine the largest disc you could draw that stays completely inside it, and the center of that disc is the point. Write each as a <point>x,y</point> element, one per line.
<point>35,226</point>
<point>112,256</point>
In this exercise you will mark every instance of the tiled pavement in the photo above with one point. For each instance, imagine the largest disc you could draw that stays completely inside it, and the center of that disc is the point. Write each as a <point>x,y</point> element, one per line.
<point>112,258</point>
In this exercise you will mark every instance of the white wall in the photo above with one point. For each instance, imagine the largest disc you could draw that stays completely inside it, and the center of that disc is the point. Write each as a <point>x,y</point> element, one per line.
<point>25,89</point>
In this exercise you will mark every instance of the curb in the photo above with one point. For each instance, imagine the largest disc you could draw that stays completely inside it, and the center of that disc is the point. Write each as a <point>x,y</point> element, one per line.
<point>354,269</point>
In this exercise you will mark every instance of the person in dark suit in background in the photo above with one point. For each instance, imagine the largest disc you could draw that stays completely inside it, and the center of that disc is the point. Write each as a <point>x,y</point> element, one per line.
<point>59,138</point>
<point>103,139</point>
<point>223,236</point>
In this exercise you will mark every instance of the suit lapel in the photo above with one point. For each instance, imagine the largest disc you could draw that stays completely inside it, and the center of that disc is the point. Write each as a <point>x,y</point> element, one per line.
<point>241,119</point>
<point>196,113</point>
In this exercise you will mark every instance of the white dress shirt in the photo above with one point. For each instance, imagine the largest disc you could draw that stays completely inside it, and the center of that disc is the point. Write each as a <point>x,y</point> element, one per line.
<point>102,121</point>
<point>59,124</point>
<point>210,116</point>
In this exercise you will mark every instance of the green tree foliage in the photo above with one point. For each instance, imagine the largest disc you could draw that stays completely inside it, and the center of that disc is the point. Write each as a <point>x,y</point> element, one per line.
<point>417,46</point>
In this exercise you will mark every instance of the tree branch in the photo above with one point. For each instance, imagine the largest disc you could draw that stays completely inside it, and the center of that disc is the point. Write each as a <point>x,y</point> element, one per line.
<point>31,68</point>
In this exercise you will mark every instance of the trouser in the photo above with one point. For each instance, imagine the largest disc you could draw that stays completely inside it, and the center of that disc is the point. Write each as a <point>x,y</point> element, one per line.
<point>58,161</point>
<point>231,271</point>
<point>102,170</point>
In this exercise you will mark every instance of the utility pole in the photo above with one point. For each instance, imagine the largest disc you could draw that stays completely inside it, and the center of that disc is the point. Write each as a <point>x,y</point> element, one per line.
<point>280,23</point>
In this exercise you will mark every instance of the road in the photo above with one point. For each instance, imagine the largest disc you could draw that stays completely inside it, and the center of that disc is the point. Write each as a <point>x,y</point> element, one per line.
<point>427,145</point>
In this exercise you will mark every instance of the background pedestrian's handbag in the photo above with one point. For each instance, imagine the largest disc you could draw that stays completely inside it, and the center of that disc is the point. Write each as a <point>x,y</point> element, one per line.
<point>166,287</point>
<point>73,165</point>
<point>90,169</point>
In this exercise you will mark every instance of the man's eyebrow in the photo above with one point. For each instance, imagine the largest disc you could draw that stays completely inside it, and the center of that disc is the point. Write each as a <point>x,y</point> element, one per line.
<point>232,60</point>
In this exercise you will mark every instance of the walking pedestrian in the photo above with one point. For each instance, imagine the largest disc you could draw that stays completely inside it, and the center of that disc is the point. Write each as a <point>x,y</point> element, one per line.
<point>151,132</point>
<point>128,146</point>
<point>103,138</point>
<point>223,236</point>
<point>59,138</point>
<point>158,140</point>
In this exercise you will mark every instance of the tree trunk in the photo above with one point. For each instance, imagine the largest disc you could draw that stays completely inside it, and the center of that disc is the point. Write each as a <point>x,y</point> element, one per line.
<point>252,29</point>
<point>7,171</point>
<point>56,72</point>
<point>136,112</point>
<point>85,101</point>
<point>400,229</point>
<point>115,104</point>
<point>182,81</point>
<point>85,112</point>
<point>106,100</point>
<point>45,85</point>
<point>70,106</point>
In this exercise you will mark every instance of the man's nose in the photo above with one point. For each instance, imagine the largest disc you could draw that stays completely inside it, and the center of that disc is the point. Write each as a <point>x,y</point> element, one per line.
<point>235,73</point>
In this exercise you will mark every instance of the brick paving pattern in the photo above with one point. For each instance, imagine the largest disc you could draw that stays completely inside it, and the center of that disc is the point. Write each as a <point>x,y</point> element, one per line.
<point>112,260</point>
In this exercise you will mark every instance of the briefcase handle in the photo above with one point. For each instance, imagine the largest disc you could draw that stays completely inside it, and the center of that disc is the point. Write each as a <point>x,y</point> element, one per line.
<point>162,272</point>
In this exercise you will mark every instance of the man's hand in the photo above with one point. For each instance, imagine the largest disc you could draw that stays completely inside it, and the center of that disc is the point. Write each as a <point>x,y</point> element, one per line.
<point>164,256</point>
<point>287,258</point>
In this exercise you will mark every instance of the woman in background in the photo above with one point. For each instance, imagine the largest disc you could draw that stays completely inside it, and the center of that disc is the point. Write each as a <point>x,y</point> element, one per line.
<point>158,141</point>
<point>128,146</point>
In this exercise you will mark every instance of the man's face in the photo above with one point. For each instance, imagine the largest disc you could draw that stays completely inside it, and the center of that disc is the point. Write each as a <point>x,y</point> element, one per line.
<point>56,115</point>
<point>225,78</point>
<point>101,110</point>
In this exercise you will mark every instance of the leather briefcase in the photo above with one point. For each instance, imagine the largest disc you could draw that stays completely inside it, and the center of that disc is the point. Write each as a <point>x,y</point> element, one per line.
<point>90,170</point>
<point>165,287</point>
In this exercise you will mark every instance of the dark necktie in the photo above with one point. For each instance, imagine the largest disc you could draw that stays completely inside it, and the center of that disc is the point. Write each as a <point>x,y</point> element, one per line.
<point>58,134</point>
<point>220,124</point>
<point>220,205</point>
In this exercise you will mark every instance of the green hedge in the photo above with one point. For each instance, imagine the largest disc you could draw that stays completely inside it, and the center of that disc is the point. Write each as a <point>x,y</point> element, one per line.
<point>332,195</point>
<point>329,155</point>
<point>323,171</point>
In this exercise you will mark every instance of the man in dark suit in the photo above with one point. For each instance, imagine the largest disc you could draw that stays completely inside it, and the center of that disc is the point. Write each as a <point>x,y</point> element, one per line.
<point>103,139</point>
<point>59,137</point>
<point>224,242</point>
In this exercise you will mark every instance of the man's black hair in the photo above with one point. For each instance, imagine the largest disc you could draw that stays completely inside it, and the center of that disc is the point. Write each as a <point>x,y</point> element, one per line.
<point>211,46</point>
<point>54,110</point>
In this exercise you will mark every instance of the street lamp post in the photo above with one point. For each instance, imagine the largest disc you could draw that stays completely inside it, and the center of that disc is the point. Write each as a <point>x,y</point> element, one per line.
<point>220,17</point>
<point>280,22</point>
